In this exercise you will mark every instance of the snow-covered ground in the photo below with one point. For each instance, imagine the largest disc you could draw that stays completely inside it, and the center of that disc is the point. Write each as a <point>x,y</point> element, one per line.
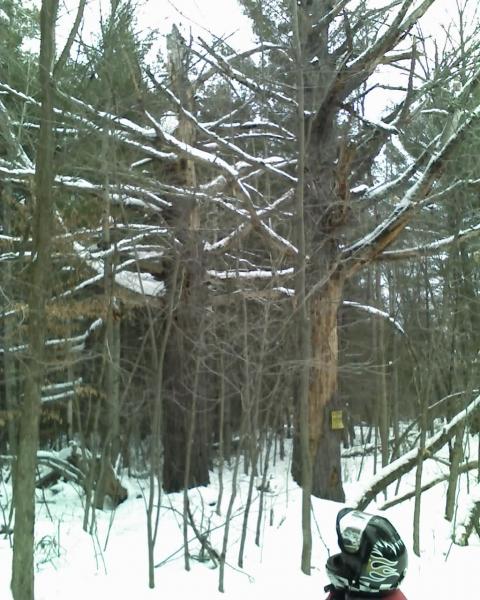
<point>112,563</point>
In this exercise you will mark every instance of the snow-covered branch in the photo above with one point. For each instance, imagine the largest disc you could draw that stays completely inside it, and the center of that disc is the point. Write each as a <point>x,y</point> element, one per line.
<point>375,53</point>
<point>432,248</point>
<point>405,463</point>
<point>390,228</point>
<point>263,125</point>
<point>263,47</point>
<point>16,150</point>
<point>470,519</point>
<point>376,312</point>
<point>137,282</point>
<point>227,145</point>
<point>429,485</point>
<point>76,342</point>
<point>193,153</point>
<point>113,120</point>
<point>251,274</point>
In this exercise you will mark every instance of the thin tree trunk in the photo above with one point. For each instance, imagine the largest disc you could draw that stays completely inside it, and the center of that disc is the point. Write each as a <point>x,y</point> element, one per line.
<point>418,475</point>
<point>188,460</point>
<point>9,337</point>
<point>383,412</point>
<point>455,463</point>
<point>255,442</point>
<point>394,358</point>
<point>423,396</point>
<point>228,516</point>
<point>157,449</point>
<point>304,342</point>
<point>270,440</point>
<point>22,583</point>
<point>221,446</point>
<point>250,408</point>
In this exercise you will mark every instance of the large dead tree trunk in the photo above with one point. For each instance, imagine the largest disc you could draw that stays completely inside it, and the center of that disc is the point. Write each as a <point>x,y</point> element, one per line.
<point>185,411</point>
<point>325,212</point>
<point>324,441</point>
<point>330,163</point>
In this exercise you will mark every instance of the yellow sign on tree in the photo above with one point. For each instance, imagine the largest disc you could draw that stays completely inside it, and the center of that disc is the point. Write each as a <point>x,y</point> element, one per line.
<point>336,420</point>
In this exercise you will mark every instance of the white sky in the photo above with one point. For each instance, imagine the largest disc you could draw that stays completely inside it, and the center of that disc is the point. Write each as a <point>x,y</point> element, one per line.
<point>225,19</point>
<point>222,17</point>
<point>198,17</point>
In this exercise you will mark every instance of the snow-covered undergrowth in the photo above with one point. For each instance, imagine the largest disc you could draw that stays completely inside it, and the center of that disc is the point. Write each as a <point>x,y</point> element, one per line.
<point>112,563</point>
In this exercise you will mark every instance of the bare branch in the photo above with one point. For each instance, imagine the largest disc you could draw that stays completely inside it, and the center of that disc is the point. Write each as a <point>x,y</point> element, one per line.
<point>71,38</point>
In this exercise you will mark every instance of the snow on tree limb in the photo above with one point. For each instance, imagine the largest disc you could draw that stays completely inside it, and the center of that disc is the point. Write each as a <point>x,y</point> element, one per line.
<point>283,244</point>
<point>407,462</point>
<point>376,312</point>
<point>112,119</point>
<point>250,274</point>
<point>232,174</point>
<point>429,485</point>
<point>432,248</point>
<point>126,195</point>
<point>251,125</point>
<point>137,282</point>
<point>469,519</point>
<point>76,341</point>
<point>12,139</point>
<point>150,151</point>
<point>374,54</point>
<point>230,146</point>
<point>188,151</point>
<point>372,244</point>
<point>383,190</point>
<point>123,130</point>
<point>245,228</point>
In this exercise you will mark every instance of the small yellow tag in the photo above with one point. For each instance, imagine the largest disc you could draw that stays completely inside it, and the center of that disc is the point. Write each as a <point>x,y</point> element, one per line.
<point>336,419</point>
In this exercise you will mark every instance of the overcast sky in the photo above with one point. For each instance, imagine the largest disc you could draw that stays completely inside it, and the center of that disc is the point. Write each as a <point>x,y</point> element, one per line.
<point>225,19</point>
<point>222,17</point>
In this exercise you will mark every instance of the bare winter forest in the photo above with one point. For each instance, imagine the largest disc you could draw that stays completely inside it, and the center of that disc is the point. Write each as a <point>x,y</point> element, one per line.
<point>209,254</point>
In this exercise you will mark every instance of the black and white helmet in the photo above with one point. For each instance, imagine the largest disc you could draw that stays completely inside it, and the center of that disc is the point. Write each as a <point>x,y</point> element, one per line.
<point>373,557</point>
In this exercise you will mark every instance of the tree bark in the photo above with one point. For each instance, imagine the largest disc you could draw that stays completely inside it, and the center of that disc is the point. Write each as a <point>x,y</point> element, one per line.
<point>22,583</point>
<point>185,409</point>
<point>9,328</point>
<point>323,441</point>
<point>305,457</point>
<point>381,358</point>
<point>325,202</point>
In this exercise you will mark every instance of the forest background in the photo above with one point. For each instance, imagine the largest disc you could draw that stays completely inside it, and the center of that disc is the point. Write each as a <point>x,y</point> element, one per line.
<point>209,251</point>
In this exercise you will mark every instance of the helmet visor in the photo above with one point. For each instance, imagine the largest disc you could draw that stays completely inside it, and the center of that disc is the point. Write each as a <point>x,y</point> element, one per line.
<point>350,530</point>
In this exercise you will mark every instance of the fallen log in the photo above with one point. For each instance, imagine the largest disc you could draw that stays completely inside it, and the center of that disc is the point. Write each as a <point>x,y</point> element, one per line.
<point>408,461</point>
<point>473,464</point>
<point>80,466</point>
<point>99,475</point>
